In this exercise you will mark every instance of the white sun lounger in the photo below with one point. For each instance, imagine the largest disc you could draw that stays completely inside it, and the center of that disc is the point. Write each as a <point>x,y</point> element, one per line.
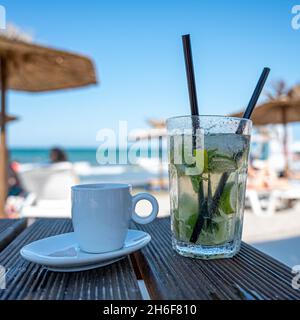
<point>273,199</point>
<point>51,187</point>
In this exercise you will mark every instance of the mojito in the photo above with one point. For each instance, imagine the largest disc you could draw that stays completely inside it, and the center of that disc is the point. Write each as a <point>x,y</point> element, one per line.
<point>208,172</point>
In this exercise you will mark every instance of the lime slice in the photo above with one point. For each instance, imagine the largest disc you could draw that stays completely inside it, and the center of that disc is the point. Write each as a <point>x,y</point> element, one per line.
<point>228,199</point>
<point>188,227</point>
<point>186,216</point>
<point>187,206</point>
<point>223,233</point>
<point>220,163</point>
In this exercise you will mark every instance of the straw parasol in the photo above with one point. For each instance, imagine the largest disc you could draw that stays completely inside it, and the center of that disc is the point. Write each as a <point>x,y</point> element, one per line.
<point>34,68</point>
<point>157,123</point>
<point>282,110</point>
<point>9,118</point>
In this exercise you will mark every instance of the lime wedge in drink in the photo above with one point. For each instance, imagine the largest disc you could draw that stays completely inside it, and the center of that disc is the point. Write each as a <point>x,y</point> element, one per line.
<point>186,227</point>
<point>223,232</point>
<point>187,206</point>
<point>186,216</point>
<point>228,199</point>
<point>221,163</point>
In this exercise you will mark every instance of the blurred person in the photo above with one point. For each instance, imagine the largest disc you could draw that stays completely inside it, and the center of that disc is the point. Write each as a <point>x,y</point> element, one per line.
<point>16,194</point>
<point>15,187</point>
<point>57,155</point>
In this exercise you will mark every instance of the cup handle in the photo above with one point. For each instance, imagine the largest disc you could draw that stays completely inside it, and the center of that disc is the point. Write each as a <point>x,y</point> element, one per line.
<point>144,196</point>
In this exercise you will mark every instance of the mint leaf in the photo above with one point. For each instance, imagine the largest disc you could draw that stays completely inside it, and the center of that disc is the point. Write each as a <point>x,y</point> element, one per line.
<point>196,180</point>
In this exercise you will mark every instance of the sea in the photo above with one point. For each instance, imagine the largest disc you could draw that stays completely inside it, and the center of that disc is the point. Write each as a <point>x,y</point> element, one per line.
<point>123,173</point>
<point>35,155</point>
<point>41,155</point>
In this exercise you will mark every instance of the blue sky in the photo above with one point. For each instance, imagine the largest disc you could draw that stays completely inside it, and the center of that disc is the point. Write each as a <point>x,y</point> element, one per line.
<point>136,46</point>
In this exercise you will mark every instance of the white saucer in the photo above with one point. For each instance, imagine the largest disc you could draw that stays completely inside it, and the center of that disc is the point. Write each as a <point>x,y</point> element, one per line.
<point>62,252</point>
<point>85,267</point>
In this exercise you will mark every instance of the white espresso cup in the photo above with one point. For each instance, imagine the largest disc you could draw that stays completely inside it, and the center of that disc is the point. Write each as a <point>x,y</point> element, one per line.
<point>101,214</point>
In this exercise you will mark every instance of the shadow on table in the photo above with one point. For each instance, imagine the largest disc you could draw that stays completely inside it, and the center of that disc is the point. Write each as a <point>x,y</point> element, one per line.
<point>286,250</point>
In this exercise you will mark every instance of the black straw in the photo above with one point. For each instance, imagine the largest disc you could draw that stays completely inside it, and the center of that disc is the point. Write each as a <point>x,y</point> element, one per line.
<point>221,185</point>
<point>255,96</point>
<point>189,66</point>
<point>186,41</point>
<point>253,101</point>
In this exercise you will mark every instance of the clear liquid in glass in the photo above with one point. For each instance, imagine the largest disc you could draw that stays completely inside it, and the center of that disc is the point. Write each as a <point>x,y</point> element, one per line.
<point>193,195</point>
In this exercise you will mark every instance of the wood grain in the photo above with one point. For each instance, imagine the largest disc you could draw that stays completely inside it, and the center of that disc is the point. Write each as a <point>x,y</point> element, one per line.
<point>9,229</point>
<point>26,280</point>
<point>251,275</point>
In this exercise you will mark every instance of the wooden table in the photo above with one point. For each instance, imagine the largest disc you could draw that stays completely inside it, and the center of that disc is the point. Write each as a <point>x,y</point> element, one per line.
<point>9,229</point>
<point>249,275</point>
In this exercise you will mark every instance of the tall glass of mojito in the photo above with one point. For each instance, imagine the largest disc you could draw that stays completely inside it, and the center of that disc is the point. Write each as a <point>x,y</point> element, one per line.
<point>208,159</point>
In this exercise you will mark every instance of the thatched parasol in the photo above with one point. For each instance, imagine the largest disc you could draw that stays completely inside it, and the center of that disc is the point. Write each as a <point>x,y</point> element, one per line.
<point>29,67</point>
<point>282,110</point>
<point>157,123</point>
<point>9,118</point>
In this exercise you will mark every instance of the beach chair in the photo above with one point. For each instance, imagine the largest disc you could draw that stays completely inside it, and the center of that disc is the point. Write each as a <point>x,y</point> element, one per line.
<point>252,200</point>
<point>50,185</point>
<point>265,203</point>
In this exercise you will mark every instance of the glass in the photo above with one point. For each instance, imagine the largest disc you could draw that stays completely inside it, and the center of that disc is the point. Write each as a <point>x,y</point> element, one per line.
<point>208,159</point>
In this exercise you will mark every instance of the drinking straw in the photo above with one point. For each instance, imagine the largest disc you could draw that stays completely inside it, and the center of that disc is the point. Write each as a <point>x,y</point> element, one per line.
<point>189,66</point>
<point>186,41</point>
<point>221,185</point>
<point>253,101</point>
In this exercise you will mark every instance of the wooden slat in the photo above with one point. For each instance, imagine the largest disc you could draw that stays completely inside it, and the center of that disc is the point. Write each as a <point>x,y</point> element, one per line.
<point>9,229</point>
<point>251,275</point>
<point>26,280</point>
